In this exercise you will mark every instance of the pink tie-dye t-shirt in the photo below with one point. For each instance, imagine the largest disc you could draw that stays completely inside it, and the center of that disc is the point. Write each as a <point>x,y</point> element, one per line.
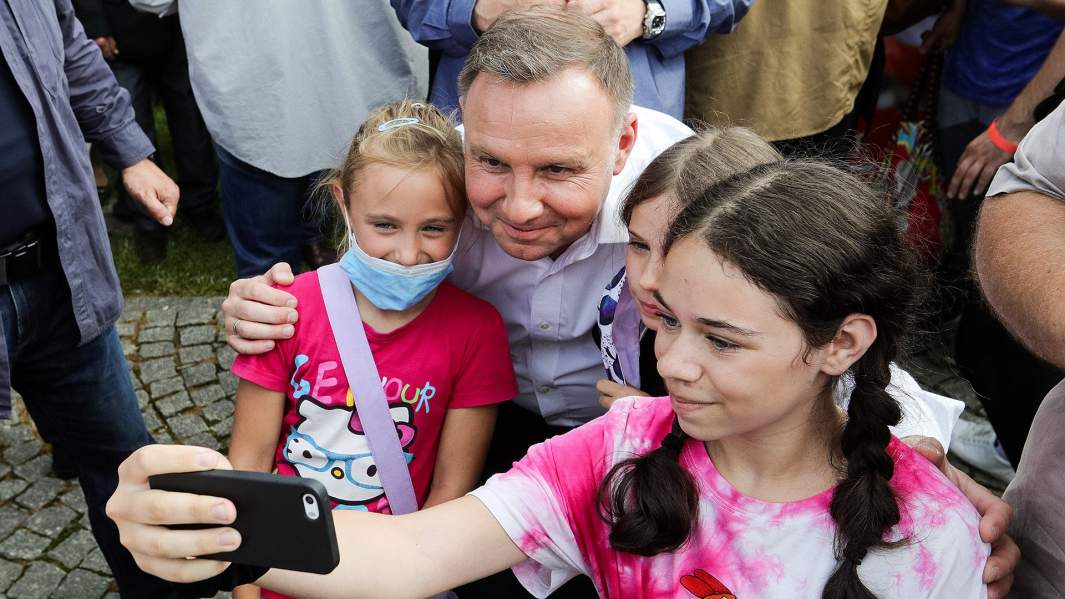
<point>741,547</point>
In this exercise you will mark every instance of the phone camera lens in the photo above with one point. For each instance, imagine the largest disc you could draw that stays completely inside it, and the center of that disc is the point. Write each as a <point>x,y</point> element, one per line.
<point>311,507</point>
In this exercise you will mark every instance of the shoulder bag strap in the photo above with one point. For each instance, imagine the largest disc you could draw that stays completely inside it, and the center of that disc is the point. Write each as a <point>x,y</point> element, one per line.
<point>365,382</point>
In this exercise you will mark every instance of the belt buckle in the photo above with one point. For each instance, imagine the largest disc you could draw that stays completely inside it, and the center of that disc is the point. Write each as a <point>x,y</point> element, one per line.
<point>19,253</point>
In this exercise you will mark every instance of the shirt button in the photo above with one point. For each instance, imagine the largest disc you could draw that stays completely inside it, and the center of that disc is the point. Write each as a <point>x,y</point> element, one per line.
<point>544,389</point>
<point>544,325</point>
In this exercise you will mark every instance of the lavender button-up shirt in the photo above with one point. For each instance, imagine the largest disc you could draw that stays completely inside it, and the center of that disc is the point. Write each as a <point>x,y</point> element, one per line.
<point>74,99</point>
<point>549,306</point>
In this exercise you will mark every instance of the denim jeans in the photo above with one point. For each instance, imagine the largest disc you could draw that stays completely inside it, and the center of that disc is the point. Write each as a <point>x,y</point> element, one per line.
<point>269,218</point>
<point>81,399</point>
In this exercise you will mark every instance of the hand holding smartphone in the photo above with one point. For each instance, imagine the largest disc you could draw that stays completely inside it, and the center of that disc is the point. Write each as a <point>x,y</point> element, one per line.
<point>284,522</point>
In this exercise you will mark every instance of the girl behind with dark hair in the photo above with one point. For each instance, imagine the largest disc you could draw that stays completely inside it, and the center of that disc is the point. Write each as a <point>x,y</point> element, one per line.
<point>628,315</point>
<point>749,481</point>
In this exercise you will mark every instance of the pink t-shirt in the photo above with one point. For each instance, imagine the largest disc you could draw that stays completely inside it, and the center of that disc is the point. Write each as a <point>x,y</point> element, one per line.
<point>452,355</point>
<point>741,547</point>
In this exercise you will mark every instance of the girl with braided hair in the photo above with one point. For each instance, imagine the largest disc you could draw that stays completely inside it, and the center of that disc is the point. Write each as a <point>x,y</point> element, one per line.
<point>778,283</point>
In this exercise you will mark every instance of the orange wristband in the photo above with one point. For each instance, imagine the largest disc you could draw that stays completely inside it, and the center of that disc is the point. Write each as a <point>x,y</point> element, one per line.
<point>996,137</point>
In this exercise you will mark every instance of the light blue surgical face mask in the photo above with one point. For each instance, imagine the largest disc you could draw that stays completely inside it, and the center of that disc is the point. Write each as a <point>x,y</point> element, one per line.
<point>388,285</point>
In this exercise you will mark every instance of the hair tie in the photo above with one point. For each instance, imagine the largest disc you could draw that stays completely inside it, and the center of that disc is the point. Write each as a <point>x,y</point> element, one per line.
<point>676,437</point>
<point>397,123</point>
<point>854,557</point>
<point>673,441</point>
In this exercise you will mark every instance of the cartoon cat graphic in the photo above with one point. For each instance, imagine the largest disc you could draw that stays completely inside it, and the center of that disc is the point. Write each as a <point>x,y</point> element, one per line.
<point>328,445</point>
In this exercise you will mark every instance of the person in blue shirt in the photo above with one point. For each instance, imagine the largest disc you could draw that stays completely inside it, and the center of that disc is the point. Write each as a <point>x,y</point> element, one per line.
<point>654,34</point>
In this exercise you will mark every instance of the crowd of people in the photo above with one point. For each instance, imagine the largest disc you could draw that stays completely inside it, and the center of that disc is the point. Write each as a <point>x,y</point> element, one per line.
<point>633,302</point>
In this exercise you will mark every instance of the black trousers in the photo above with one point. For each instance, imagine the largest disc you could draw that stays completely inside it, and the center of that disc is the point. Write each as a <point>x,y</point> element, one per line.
<point>166,76</point>
<point>516,430</point>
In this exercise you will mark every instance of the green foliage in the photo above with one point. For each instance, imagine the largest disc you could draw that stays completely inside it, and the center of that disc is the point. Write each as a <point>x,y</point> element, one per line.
<point>192,267</point>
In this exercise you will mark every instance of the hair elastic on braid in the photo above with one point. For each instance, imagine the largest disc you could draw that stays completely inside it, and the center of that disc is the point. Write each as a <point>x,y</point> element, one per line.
<point>854,557</point>
<point>675,439</point>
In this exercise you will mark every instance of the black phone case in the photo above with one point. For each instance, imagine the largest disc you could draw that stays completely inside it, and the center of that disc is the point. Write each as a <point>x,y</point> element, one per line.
<point>275,530</point>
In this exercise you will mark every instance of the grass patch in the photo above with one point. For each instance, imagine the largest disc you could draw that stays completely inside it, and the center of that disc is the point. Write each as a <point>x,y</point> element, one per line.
<point>192,267</point>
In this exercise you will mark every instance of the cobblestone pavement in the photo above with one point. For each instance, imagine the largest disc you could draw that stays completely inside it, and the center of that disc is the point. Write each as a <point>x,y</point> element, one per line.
<point>180,368</point>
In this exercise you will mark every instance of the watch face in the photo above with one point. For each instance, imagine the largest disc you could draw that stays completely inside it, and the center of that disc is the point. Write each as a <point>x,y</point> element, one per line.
<point>658,23</point>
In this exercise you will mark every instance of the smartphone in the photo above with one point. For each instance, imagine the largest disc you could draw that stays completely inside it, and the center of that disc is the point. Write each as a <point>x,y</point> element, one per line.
<point>284,521</point>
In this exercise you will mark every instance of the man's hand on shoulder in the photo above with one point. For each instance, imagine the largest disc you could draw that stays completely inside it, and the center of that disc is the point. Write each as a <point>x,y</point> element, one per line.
<point>995,516</point>
<point>257,314</point>
<point>153,189</point>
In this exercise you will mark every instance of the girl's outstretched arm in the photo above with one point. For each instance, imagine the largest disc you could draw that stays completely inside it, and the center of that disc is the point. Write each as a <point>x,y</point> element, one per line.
<point>415,555</point>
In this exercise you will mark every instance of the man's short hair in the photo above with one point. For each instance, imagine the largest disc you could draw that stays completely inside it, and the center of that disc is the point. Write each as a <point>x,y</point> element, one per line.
<point>535,44</point>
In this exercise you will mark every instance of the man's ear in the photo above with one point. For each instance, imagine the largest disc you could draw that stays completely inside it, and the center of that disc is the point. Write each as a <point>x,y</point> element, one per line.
<point>855,334</point>
<point>626,141</point>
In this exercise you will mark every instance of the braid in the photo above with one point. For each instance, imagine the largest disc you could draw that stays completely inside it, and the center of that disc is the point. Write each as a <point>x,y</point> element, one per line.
<point>864,506</point>
<point>650,501</point>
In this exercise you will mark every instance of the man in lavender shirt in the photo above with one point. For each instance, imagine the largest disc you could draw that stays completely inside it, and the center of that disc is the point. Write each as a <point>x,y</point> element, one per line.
<point>551,145</point>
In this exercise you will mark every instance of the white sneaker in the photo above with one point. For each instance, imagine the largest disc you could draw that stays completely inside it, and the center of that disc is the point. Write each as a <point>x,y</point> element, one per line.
<point>975,443</point>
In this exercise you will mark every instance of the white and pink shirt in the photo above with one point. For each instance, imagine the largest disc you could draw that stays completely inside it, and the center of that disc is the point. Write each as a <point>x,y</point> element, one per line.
<point>741,547</point>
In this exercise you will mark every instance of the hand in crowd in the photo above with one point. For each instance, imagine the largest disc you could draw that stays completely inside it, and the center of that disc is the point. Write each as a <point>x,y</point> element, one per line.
<point>622,19</point>
<point>257,313</point>
<point>609,392</point>
<point>945,32</point>
<point>995,516</point>
<point>485,12</point>
<point>976,167</point>
<point>153,189</point>
<point>142,514</point>
<point>108,47</point>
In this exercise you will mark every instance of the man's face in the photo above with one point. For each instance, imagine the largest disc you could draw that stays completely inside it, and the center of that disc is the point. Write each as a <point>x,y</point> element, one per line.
<point>540,158</point>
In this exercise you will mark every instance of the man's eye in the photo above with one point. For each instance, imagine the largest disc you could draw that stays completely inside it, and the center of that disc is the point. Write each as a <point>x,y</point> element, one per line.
<point>555,169</point>
<point>435,229</point>
<point>639,246</point>
<point>490,162</point>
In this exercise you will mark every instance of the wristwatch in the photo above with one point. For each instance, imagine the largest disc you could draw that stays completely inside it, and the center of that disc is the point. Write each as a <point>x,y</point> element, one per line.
<point>654,20</point>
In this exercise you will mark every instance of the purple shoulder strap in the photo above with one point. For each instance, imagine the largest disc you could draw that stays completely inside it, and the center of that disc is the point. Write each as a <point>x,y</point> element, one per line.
<point>626,333</point>
<point>365,384</point>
